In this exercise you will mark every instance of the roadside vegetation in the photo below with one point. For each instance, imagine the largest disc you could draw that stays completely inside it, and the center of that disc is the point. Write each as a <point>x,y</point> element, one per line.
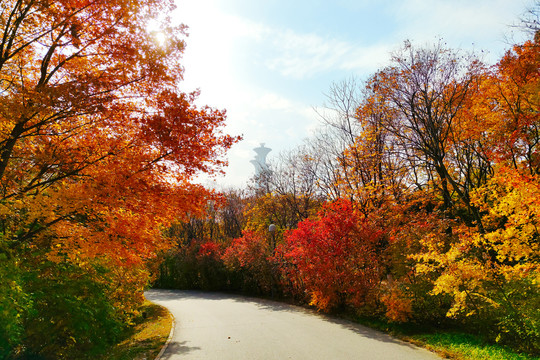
<point>450,343</point>
<point>461,346</point>
<point>98,152</point>
<point>417,203</point>
<point>146,338</point>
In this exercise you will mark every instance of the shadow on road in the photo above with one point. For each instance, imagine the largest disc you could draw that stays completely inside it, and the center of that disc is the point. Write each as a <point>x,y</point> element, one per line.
<point>171,295</point>
<point>176,348</point>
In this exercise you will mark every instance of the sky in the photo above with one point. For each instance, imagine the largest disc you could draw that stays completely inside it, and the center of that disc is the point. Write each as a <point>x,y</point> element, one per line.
<point>270,63</point>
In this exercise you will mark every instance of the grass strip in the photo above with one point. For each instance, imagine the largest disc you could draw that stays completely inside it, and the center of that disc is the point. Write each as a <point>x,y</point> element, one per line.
<point>146,338</point>
<point>448,344</point>
<point>461,346</point>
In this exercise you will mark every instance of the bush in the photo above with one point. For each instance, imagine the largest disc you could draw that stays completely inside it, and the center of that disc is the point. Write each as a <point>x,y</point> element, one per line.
<point>337,258</point>
<point>56,310</point>
<point>71,316</point>
<point>194,266</point>
<point>250,259</point>
<point>13,304</point>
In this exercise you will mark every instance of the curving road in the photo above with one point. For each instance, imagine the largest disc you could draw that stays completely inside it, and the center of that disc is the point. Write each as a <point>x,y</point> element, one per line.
<point>222,327</point>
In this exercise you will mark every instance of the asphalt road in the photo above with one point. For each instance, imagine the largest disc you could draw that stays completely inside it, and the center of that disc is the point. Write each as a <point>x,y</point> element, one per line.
<point>222,327</point>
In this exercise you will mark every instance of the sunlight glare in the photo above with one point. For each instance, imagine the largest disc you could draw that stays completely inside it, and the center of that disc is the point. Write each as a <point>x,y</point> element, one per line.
<point>154,30</point>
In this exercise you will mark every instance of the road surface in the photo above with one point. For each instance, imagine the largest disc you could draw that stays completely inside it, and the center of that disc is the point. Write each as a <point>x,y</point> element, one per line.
<point>228,327</point>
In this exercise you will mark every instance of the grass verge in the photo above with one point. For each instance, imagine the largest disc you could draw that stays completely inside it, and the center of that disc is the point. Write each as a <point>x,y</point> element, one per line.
<point>146,338</point>
<point>448,344</point>
<point>461,346</point>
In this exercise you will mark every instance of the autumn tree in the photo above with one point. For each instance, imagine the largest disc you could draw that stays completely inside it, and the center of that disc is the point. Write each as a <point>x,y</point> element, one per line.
<point>509,106</point>
<point>339,131</point>
<point>374,162</point>
<point>492,275</point>
<point>231,213</point>
<point>195,262</point>
<point>91,117</point>
<point>335,258</point>
<point>354,156</point>
<point>322,164</point>
<point>293,180</point>
<point>98,148</point>
<point>250,259</point>
<point>426,91</point>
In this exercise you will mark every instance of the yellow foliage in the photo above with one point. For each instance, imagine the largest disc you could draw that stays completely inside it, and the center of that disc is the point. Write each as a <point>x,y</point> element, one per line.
<point>478,269</point>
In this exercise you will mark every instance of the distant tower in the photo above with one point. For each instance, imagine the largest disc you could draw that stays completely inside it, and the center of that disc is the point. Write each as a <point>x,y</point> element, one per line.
<point>260,160</point>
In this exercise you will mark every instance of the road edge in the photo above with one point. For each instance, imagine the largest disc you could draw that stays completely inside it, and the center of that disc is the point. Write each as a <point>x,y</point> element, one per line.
<point>171,333</point>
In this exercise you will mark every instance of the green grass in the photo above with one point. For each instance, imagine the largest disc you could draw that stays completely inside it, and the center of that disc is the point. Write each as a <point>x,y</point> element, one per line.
<point>146,338</point>
<point>449,344</point>
<point>466,347</point>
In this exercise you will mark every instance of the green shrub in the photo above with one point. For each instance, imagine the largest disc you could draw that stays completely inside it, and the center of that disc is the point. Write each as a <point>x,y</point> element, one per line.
<point>13,304</point>
<point>70,317</point>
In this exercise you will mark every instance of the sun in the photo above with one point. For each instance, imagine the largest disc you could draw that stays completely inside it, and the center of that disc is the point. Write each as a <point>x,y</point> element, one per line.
<point>153,28</point>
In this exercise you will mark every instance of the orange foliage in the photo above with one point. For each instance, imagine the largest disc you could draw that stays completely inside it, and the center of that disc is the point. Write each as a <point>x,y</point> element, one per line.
<point>98,148</point>
<point>508,107</point>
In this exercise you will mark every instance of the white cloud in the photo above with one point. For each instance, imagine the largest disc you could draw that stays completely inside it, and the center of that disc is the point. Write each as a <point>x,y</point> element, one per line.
<point>217,41</point>
<point>246,67</point>
<point>213,63</point>
<point>479,24</point>
<point>302,56</point>
<point>273,101</point>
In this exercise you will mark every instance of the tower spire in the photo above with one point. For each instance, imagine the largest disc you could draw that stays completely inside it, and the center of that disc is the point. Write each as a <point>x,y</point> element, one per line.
<point>260,159</point>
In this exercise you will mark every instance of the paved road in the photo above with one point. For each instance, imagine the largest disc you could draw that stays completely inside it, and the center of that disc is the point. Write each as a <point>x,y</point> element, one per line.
<point>222,327</point>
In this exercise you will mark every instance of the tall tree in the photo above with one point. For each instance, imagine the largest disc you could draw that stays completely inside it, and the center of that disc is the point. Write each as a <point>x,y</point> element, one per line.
<point>95,138</point>
<point>426,91</point>
<point>509,104</point>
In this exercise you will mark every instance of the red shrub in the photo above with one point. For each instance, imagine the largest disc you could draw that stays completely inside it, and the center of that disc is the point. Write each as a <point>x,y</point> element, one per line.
<point>335,257</point>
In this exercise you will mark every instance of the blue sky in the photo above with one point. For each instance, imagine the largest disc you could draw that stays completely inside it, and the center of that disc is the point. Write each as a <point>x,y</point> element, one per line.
<point>270,62</point>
